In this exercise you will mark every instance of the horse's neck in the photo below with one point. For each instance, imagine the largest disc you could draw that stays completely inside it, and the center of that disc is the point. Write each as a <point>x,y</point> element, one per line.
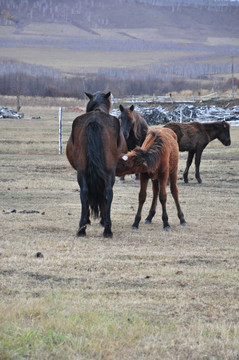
<point>211,130</point>
<point>102,108</point>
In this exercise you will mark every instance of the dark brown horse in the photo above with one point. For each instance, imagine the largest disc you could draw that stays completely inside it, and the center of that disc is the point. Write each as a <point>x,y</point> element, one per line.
<point>194,137</point>
<point>157,159</point>
<point>95,143</point>
<point>134,128</point>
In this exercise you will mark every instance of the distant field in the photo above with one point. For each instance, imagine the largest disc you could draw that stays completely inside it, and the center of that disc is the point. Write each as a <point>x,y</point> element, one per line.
<point>143,294</point>
<point>81,61</point>
<point>50,45</point>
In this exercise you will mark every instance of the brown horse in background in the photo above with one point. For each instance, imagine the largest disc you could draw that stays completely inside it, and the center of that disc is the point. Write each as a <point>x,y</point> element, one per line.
<point>134,128</point>
<point>95,143</point>
<point>194,137</point>
<point>157,159</point>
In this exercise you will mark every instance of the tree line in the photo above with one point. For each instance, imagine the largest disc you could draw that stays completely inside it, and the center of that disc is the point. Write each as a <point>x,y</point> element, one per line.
<point>46,86</point>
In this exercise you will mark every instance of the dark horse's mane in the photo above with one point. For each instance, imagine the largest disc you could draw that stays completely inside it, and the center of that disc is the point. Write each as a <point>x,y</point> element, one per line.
<point>154,150</point>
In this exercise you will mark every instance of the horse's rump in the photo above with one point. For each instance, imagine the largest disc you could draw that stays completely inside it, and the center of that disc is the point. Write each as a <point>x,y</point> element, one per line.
<point>96,140</point>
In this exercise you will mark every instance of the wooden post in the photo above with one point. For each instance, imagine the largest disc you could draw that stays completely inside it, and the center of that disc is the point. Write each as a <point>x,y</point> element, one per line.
<point>181,114</point>
<point>60,131</point>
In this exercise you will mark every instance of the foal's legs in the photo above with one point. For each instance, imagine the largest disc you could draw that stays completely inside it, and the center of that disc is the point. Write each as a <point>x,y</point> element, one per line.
<point>144,178</point>
<point>188,164</point>
<point>163,179</point>
<point>152,211</point>
<point>174,192</point>
<point>84,204</point>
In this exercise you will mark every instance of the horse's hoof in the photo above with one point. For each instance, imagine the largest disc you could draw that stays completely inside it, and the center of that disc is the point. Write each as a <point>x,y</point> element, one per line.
<point>81,231</point>
<point>147,221</point>
<point>107,234</point>
<point>184,223</point>
<point>199,181</point>
<point>133,227</point>
<point>167,228</point>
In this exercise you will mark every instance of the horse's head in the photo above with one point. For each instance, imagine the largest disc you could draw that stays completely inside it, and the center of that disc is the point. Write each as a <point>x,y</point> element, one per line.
<point>224,133</point>
<point>130,163</point>
<point>99,101</point>
<point>127,120</point>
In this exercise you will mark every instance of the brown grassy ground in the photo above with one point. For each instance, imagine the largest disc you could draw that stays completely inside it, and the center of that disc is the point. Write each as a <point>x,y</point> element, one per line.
<point>144,294</point>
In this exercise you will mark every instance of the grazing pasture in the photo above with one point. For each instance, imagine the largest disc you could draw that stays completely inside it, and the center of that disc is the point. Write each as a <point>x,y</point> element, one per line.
<point>144,294</point>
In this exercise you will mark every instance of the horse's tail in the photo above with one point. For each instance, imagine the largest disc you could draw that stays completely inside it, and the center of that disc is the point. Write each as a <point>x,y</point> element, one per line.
<point>95,172</point>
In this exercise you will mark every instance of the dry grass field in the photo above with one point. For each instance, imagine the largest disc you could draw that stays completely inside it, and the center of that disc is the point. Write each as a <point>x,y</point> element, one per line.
<point>55,45</point>
<point>143,294</point>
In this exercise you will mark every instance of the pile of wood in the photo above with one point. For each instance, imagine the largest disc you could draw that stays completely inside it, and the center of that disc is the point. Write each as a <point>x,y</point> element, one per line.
<point>9,113</point>
<point>186,113</point>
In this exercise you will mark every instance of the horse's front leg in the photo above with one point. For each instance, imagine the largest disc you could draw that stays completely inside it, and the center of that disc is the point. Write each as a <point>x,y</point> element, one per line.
<point>174,192</point>
<point>188,164</point>
<point>84,204</point>
<point>197,165</point>
<point>163,179</point>
<point>152,211</point>
<point>109,197</point>
<point>144,178</point>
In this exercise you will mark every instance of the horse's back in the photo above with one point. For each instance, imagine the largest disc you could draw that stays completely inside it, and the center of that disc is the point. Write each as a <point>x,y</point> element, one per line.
<point>170,150</point>
<point>189,135</point>
<point>112,139</point>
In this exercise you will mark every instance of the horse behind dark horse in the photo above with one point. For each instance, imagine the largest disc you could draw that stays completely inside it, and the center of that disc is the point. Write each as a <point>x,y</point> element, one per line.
<point>194,137</point>
<point>134,128</point>
<point>157,159</point>
<point>95,143</point>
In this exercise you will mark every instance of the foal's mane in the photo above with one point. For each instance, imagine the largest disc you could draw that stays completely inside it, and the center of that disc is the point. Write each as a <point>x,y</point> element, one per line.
<point>151,150</point>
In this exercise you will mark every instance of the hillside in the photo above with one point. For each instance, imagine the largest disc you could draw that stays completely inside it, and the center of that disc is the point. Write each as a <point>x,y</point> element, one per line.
<point>121,39</point>
<point>171,22</point>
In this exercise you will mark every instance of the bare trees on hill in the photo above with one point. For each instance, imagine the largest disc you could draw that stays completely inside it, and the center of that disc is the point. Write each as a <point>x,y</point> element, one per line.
<point>24,79</point>
<point>71,11</point>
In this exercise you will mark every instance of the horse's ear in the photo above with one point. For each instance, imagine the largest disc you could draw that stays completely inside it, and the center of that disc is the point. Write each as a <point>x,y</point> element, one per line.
<point>131,108</point>
<point>121,108</point>
<point>90,96</point>
<point>107,95</point>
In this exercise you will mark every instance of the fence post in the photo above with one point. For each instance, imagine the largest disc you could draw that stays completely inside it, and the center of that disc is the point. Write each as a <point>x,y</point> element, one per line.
<point>60,131</point>
<point>181,114</point>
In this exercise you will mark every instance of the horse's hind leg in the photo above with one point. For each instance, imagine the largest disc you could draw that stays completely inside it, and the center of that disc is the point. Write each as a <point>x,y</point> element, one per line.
<point>144,178</point>
<point>174,192</point>
<point>109,197</point>
<point>152,211</point>
<point>163,199</point>
<point>197,165</point>
<point>188,164</point>
<point>84,205</point>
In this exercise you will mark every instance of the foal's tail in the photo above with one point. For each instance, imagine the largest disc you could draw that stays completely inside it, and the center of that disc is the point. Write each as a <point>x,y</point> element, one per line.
<point>95,172</point>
